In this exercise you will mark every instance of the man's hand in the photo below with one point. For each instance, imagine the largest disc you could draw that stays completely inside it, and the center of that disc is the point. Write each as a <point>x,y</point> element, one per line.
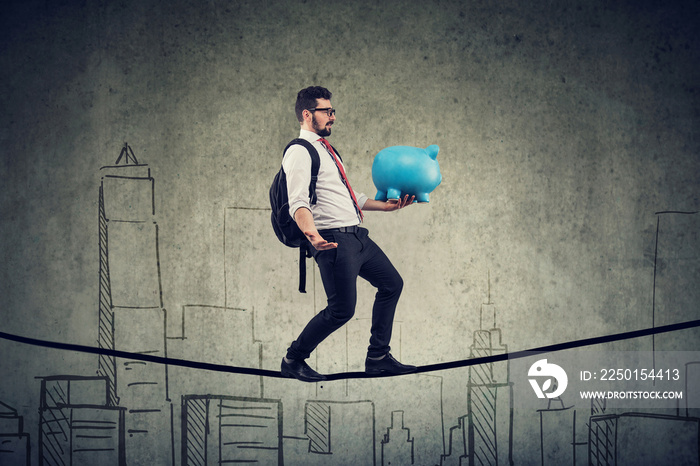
<point>305,222</point>
<point>318,242</point>
<point>390,205</point>
<point>396,204</point>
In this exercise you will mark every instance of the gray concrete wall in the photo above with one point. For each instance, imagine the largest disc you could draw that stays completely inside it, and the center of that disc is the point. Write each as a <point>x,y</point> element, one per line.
<point>564,127</point>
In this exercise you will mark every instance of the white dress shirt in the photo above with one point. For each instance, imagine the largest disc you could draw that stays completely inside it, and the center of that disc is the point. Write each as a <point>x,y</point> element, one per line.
<point>334,207</point>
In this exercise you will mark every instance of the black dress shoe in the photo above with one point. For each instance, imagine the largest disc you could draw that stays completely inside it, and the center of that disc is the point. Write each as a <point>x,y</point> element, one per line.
<point>387,365</point>
<point>299,370</point>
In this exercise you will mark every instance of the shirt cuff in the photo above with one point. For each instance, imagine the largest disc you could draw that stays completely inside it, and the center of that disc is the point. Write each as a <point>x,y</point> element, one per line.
<point>296,206</point>
<point>361,199</point>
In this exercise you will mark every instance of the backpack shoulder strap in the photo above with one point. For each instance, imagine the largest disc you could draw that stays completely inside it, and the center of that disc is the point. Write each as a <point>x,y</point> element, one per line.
<point>315,164</point>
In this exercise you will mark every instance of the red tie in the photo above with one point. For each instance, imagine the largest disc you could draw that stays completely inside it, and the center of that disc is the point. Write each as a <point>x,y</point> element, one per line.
<point>330,150</point>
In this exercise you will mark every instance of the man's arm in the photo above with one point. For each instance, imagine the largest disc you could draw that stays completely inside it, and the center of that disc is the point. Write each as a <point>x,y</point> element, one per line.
<point>297,166</point>
<point>305,222</point>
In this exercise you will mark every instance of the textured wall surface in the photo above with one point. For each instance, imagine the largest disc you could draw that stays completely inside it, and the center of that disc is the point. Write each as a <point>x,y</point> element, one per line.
<point>564,129</point>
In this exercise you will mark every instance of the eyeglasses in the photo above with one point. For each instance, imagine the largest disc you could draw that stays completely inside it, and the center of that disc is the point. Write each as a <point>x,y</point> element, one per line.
<point>330,111</point>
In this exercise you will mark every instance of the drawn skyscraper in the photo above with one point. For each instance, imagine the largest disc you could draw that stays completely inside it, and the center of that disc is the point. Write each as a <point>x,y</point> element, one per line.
<point>397,444</point>
<point>601,436</point>
<point>341,432</point>
<point>14,442</point>
<point>643,438</point>
<point>676,274</point>
<point>229,429</point>
<point>131,314</point>
<point>490,398</point>
<point>76,424</point>
<point>557,444</point>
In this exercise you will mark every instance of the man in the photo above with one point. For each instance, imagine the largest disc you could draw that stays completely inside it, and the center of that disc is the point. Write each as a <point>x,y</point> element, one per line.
<point>342,250</point>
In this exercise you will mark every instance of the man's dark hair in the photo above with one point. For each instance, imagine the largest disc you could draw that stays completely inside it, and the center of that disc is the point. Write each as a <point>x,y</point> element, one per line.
<point>306,98</point>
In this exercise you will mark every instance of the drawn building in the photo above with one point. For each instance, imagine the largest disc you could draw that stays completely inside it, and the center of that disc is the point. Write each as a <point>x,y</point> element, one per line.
<point>341,432</point>
<point>131,313</point>
<point>14,442</point>
<point>457,445</point>
<point>676,275</point>
<point>485,434</point>
<point>601,440</point>
<point>397,444</point>
<point>648,437</point>
<point>229,429</point>
<point>217,335</point>
<point>642,438</point>
<point>77,425</point>
<point>490,398</point>
<point>690,405</point>
<point>556,443</point>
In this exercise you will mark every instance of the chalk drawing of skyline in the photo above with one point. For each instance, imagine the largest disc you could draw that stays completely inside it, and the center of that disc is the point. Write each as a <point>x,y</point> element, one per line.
<point>127,411</point>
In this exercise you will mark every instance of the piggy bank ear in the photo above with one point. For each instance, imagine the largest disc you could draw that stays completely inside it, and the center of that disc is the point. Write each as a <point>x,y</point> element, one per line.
<point>432,151</point>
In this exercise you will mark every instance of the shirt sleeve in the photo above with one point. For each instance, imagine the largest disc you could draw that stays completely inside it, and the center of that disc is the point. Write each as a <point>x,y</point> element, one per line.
<point>361,199</point>
<point>297,168</point>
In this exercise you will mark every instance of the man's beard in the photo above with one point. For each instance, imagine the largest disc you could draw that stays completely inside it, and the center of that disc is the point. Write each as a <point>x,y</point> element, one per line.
<point>321,131</point>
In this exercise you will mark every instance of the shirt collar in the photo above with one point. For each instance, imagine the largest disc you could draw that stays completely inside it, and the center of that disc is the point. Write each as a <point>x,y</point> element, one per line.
<point>308,135</point>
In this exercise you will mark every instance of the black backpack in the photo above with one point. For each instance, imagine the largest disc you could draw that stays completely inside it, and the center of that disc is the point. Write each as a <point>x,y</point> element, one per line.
<point>284,225</point>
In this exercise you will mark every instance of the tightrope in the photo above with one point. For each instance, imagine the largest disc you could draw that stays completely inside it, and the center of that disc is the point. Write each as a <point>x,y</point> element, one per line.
<point>352,375</point>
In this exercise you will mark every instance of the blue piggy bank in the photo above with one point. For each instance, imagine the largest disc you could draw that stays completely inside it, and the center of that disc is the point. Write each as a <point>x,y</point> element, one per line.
<point>401,170</point>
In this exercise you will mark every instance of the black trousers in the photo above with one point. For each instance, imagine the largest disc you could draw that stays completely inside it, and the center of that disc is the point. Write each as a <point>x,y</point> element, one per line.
<point>356,255</point>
